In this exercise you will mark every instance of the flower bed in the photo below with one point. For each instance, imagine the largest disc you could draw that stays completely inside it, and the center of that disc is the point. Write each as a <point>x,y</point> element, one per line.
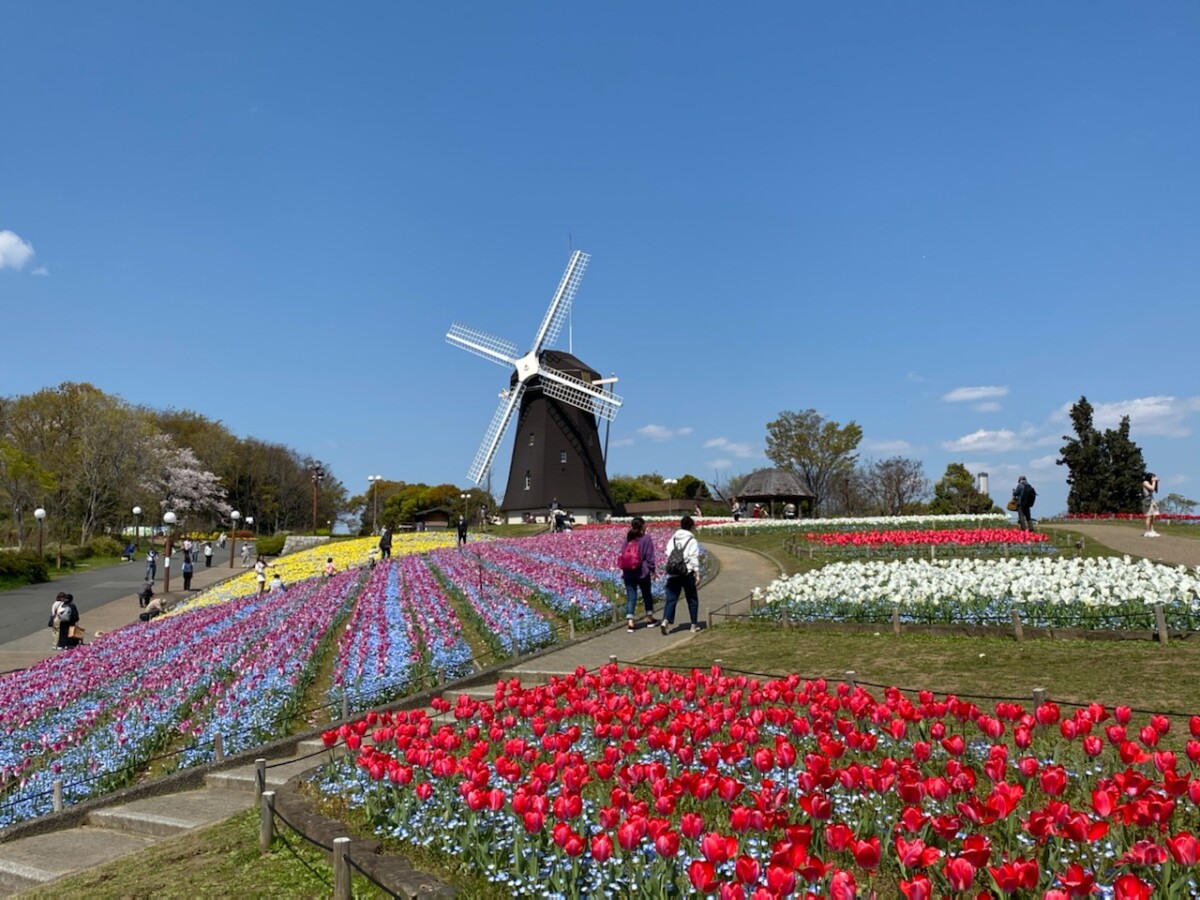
<point>651,784</point>
<point>959,537</point>
<point>97,713</point>
<point>1048,591</point>
<point>859,523</point>
<point>403,628</point>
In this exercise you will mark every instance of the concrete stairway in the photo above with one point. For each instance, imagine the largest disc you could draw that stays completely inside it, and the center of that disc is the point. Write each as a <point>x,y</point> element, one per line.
<point>112,832</point>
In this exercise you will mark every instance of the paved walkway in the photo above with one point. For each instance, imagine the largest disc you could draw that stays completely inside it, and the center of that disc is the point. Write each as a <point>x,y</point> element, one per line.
<point>1128,538</point>
<point>106,597</point>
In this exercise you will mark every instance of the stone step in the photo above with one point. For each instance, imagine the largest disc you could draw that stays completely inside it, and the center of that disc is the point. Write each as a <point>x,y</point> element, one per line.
<point>29,862</point>
<point>172,813</point>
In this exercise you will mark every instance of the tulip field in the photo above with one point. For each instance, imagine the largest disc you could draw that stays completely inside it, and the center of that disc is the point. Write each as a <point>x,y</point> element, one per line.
<point>241,665</point>
<point>628,783</point>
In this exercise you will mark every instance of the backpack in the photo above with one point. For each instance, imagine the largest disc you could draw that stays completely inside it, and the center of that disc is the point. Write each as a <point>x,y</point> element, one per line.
<point>630,557</point>
<point>68,614</point>
<point>1030,494</point>
<point>676,561</point>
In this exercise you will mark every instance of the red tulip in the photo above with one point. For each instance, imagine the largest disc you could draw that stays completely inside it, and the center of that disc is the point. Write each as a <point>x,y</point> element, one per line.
<point>781,880</point>
<point>842,886</point>
<point>602,848</point>
<point>1076,881</point>
<point>691,825</point>
<point>919,888</point>
<point>1130,887</point>
<point>666,844</point>
<point>746,869</point>
<point>1184,848</point>
<point>703,876</point>
<point>866,853</point>
<point>959,873</point>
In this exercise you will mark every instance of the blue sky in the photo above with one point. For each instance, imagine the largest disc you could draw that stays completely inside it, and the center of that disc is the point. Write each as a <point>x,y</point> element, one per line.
<point>943,221</point>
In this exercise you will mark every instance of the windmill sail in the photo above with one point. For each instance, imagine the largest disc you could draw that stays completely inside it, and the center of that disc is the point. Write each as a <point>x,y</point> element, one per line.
<point>560,305</point>
<point>579,393</point>
<point>494,434</point>
<point>488,346</point>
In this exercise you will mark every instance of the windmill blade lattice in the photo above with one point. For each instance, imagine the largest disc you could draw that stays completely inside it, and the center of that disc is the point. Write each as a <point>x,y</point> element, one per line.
<point>488,346</point>
<point>560,305</point>
<point>578,393</point>
<point>494,434</point>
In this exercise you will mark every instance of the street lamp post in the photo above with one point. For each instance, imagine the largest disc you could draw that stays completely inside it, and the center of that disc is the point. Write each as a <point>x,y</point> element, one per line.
<point>318,475</point>
<point>373,481</point>
<point>234,516</point>
<point>250,525</point>
<point>168,520</point>
<point>670,483</point>
<point>465,498</point>
<point>137,534</point>
<point>40,515</point>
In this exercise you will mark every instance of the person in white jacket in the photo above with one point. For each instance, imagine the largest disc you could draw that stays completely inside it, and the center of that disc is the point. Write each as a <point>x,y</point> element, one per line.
<point>686,542</point>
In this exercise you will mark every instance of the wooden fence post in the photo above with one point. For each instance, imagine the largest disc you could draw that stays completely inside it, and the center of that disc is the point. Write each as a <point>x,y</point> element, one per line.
<point>896,620</point>
<point>341,869</point>
<point>345,706</point>
<point>787,619</point>
<point>1018,627</point>
<point>58,795</point>
<point>260,778</point>
<point>218,748</point>
<point>612,658</point>
<point>1160,622</point>
<point>570,629</point>
<point>1039,697</point>
<point>266,821</point>
<point>850,673</point>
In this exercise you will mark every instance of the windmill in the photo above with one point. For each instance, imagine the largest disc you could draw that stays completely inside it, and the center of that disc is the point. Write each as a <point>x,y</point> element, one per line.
<point>556,400</point>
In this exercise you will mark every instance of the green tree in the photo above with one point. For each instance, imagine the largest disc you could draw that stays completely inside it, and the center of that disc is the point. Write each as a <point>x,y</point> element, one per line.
<point>1104,471</point>
<point>814,449</point>
<point>1177,504</point>
<point>956,494</point>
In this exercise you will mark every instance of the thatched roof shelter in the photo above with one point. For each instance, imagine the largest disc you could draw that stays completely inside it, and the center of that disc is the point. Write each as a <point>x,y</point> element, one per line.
<point>771,486</point>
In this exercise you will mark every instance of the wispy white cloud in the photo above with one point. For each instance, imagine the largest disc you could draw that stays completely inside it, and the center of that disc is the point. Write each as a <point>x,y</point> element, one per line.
<point>972,394</point>
<point>40,270</point>
<point>987,406</point>
<point>720,463</point>
<point>1166,416</point>
<point>741,450</point>
<point>1044,463</point>
<point>895,446</point>
<point>622,442</point>
<point>983,440</point>
<point>914,378</point>
<point>662,432</point>
<point>15,251</point>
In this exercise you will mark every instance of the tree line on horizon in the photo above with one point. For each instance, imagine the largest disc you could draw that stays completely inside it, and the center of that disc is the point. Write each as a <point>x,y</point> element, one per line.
<point>88,458</point>
<point>1106,470</point>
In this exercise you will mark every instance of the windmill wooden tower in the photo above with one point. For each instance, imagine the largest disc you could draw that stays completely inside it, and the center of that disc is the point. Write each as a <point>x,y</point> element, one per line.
<point>556,400</point>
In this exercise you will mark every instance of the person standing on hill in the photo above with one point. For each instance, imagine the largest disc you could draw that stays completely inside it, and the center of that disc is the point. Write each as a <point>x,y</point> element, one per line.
<point>462,531</point>
<point>1149,504</point>
<point>208,553</point>
<point>385,543</point>
<point>1024,494</point>
<point>151,564</point>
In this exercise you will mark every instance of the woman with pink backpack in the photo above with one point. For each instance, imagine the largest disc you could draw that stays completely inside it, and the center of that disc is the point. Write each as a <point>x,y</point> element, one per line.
<point>636,562</point>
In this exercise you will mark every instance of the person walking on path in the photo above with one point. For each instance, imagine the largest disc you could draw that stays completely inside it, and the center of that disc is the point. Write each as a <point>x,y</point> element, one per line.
<point>245,556</point>
<point>188,569</point>
<point>462,531</point>
<point>1024,494</point>
<point>151,564</point>
<point>221,540</point>
<point>1149,504</point>
<point>637,571</point>
<point>385,544</point>
<point>67,617</point>
<point>208,553</point>
<point>686,578</point>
